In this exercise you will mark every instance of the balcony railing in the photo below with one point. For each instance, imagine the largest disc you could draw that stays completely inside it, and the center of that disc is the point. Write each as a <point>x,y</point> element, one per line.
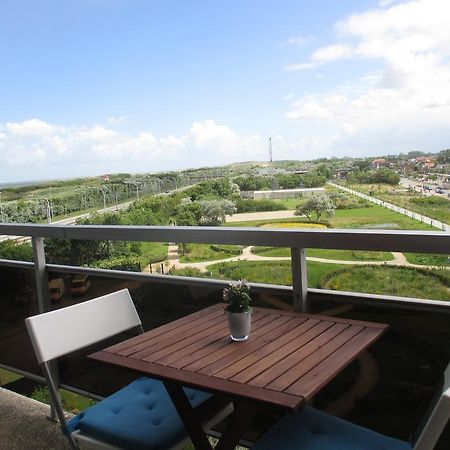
<point>297,240</point>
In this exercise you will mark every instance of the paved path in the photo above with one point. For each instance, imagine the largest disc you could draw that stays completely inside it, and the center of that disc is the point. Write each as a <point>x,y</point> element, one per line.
<point>263,215</point>
<point>173,260</point>
<point>416,216</point>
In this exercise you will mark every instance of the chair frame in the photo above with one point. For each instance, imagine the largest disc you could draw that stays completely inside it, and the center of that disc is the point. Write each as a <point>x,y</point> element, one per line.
<point>122,316</point>
<point>438,418</point>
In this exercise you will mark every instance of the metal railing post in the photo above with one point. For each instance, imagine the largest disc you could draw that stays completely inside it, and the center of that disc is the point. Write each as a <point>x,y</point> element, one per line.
<point>41,277</point>
<point>40,273</point>
<point>299,279</point>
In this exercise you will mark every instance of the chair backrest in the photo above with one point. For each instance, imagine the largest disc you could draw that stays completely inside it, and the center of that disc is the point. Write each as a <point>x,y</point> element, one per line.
<point>65,330</point>
<point>438,418</point>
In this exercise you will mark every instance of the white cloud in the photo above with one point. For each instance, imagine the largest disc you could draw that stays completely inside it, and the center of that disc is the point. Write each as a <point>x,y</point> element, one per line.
<point>32,127</point>
<point>117,120</point>
<point>299,41</point>
<point>323,55</point>
<point>408,97</point>
<point>332,53</point>
<point>37,149</point>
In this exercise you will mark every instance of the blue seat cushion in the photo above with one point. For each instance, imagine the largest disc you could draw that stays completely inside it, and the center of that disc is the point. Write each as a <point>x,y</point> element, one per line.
<point>310,429</point>
<point>139,416</point>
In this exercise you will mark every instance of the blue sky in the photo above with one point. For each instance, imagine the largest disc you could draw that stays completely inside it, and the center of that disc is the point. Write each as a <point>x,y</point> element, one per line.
<point>97,86</point>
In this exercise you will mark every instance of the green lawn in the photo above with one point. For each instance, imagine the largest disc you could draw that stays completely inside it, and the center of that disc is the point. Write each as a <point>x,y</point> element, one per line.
<point>375,217</point>
<point>209,252</point>
<point>270,272</point>
<point>428,260</point>
<point>404,282</point>
<point>345,255</point>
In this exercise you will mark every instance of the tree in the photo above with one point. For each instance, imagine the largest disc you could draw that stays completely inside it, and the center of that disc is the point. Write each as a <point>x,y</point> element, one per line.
<point>214,211</point>
<point>444,156</point>
<point>318,205</point>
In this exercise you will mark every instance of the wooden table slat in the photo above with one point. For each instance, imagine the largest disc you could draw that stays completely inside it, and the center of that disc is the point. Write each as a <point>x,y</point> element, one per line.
<point>232,347</point>
<point>155,337</point>
<point>232,361</point>
<point>162,329</point>
<point>289,402</point>
<point>177,339</point>
<point>197,350</point>
<point>329,367</point>
<point>316,354</point>
<point>252,364</point>
<point>313,339</point>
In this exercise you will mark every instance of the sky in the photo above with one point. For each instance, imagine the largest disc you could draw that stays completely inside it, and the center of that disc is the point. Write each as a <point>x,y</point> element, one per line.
<point>89,87</point>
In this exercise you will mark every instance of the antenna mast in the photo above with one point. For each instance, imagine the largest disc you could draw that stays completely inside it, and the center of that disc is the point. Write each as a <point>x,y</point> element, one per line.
<point>270,149</point>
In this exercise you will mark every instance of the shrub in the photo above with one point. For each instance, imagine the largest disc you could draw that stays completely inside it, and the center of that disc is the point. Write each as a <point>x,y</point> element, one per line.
<point>244,206</point>
<point>127,263</point>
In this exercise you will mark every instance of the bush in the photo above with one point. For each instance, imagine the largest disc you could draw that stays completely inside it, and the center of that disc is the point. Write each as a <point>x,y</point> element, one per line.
<point>244,206</point>
<point>11,250</point>
<point>190,272</point>
<point>127,263</point>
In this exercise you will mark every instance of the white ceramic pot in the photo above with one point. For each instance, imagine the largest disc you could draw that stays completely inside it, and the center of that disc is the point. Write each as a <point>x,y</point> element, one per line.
<point>239,325</point>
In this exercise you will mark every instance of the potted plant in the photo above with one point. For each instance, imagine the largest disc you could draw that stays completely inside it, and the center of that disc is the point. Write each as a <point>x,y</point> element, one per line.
<point>238,309</point>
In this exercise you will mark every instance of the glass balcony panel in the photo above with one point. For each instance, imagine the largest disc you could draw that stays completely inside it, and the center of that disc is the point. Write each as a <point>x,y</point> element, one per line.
<point>18,301</point>
<point>391,386</point>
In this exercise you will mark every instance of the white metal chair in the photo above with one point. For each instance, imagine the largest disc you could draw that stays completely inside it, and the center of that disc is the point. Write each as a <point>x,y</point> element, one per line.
<point>310,429</point>
<point>140,415</point>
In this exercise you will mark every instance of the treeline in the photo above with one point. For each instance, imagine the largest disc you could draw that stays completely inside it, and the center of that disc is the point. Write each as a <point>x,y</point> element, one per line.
<point>311,179</point>
<point>203,204</point>
<point>386,176</point>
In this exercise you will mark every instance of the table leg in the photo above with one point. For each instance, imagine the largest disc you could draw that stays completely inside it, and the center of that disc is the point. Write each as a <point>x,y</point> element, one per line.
<point>239,421</point>
<point>188,416</point>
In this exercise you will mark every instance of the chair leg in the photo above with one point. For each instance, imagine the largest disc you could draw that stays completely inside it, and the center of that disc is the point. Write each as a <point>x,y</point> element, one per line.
<point>72,442</point>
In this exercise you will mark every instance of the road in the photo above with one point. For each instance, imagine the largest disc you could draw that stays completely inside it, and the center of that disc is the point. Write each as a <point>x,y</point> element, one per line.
<point>418,186</point>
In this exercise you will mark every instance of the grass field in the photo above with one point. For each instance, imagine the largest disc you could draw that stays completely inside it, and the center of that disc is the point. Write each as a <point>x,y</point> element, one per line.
<point>209,252</point>
<point>404,282</point>
<point>375,217</point>
<point>436,207</point>
<point>428,260</point>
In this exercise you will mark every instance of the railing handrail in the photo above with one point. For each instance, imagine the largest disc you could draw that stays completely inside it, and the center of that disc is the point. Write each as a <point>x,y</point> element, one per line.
<point>338,239</point>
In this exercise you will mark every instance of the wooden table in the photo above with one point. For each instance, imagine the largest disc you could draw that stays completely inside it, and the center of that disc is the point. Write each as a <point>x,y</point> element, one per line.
<point>287,359</point>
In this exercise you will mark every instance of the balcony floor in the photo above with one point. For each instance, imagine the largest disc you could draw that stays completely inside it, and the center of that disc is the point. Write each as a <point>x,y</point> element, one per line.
<point>23,424</point>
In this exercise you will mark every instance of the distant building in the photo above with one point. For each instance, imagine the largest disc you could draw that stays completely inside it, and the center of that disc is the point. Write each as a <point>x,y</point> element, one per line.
<point>105,177</point>
<point>282,193</point>
<point>424,162</point>
<point>379,163</point>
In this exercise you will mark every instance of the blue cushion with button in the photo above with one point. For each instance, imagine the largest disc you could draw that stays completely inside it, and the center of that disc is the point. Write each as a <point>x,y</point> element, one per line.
<point>310,429</point>
<point>139,416</point>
